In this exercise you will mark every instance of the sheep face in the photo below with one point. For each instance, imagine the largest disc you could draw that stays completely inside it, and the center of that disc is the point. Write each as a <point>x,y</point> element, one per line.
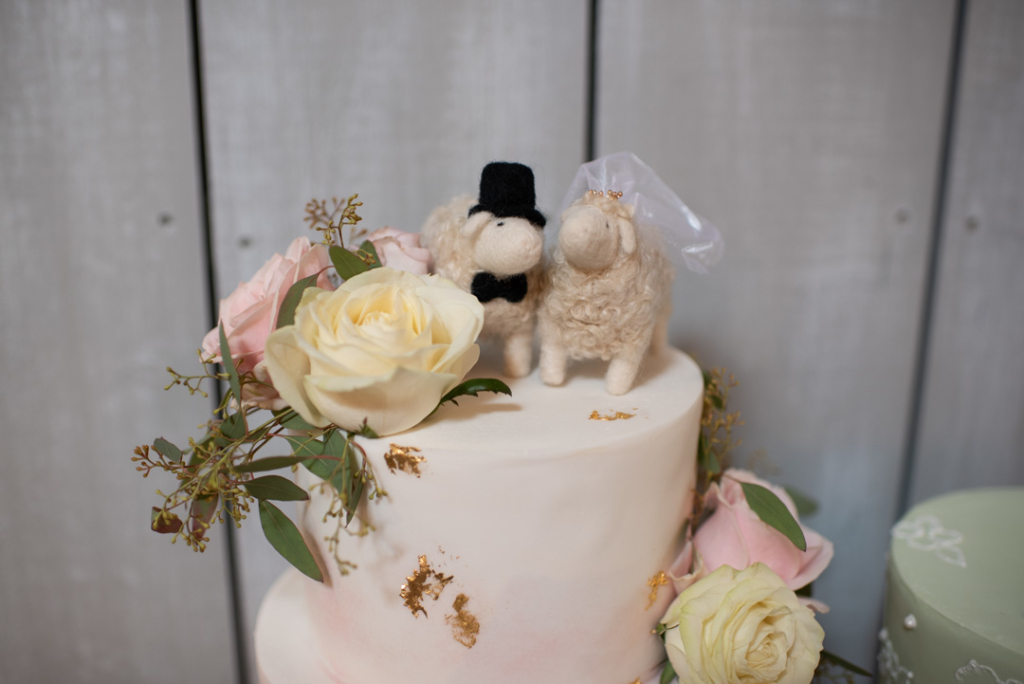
<point>590,239</point>
<point>504,246</point>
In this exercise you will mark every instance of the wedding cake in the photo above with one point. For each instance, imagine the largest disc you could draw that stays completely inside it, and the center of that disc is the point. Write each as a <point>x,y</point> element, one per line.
<point>522,539</point>
<point>954,609</point>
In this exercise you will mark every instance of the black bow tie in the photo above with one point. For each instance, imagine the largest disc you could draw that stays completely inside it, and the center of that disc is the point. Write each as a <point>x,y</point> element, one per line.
<point>486,287</point>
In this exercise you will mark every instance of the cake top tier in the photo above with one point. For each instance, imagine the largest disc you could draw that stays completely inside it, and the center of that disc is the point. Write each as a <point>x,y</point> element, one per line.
<point>542,421</point>
<point>964,555</point>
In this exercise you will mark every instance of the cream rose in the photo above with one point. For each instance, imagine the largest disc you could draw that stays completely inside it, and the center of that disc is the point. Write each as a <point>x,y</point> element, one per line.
<point>399,249</point>
<point>384,348</point>
<point>740,627</point>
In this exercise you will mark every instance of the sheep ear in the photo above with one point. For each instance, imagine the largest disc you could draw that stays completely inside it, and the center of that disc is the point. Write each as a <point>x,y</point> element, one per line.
<point>475,222</point>
<point>627,236</point>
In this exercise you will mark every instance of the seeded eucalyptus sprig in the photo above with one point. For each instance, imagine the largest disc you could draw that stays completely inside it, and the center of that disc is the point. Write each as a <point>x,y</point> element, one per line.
<point>222,475</point>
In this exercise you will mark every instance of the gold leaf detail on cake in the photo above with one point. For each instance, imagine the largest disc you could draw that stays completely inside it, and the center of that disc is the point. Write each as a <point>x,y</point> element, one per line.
<point>636,681</point>
<point>655,583</point>
<point>465,626</point>
<point>404,458</point>
<point>421,584</point>
<point>618,415</point>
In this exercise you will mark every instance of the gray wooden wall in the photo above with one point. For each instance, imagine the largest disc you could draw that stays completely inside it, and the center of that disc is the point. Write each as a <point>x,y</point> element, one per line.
<point>863,158</point>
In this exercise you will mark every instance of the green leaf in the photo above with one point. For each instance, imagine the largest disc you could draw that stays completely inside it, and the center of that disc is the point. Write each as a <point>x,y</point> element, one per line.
<point>276,488</point>
<point>472,388</point>
<point>805,505</point>
<point>368,248</point>
<point>167,450</point>
<point>806,590</point>
<point>203,508</point>
<point>355,482</point>
<point>346,263</point>
<point>368,432</point>
<point>287,540</point>
<point>773,512</point>
<point>229,364</point>
<point>286,314</point>
<point>708,378</point>
<point>836,660</point>
<point>163,526</point>
<point>707,457</point>
<point>233,427</point>
<point>297,422</point>
<point>668,674</point>
<point>305,446</point>
<point>269,463</point>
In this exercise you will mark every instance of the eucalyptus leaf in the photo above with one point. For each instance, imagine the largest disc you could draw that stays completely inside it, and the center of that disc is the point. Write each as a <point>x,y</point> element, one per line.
<point>163,526</point>
<point>805,505</point>
<point>368,432</point>
<point>305,446</point>
<point>276,488</point>
<point>770,509</point>
<point>202,509</point>
<point>668,674</point>
<point>287,540</point>
<point>846,664</point>
<point>286,314</point>
<point>346,263</point>
<point>473,387</point>
<point>167,450</point>
<point>229,364</point>
<point>269,463</point>
<point>368,248</point>
<point>233,427</point>
<point>297,422</point>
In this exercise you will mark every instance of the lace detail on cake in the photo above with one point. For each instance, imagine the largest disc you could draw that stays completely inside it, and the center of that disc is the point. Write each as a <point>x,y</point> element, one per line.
<point>973,673</point>
<point>926,533</point>
<point>889,663</point>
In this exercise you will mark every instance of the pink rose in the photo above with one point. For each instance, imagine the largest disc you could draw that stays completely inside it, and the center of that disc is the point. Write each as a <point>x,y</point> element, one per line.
<point>400,250</point>
<point>249,314</point>
<point>736,537</point>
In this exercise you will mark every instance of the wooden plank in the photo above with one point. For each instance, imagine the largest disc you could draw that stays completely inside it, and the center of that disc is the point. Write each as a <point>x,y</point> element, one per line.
<point>809,132</point>
<point>971,430</point>
<point>101,286</point>
<point>403,103</point>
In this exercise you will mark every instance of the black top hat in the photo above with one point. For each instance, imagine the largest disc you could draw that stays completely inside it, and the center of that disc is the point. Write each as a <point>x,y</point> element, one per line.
<point>506,190</point>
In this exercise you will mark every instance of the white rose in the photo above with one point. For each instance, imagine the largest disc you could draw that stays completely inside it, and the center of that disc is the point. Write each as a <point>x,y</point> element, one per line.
<point>742,627</point>
<point>384,348</point>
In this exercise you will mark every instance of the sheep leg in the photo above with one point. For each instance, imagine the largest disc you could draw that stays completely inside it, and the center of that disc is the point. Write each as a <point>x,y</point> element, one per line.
<point>622,371</point>
<point>518,354</point>
<point>553,360</point>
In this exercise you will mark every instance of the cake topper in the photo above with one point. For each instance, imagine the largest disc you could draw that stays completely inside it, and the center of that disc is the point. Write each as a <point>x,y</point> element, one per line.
<point>690,239</point>
<point>493,247</point>
<point>608,292</point>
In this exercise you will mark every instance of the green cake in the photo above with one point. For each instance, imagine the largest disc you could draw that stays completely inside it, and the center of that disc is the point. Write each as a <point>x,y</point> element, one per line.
<point>954,609</point>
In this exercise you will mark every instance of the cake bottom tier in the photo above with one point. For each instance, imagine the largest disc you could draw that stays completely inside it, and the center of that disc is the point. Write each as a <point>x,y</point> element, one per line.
<point>284,637</point>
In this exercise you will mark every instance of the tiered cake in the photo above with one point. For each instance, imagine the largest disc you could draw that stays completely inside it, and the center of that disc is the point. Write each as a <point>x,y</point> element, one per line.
<point>522,539</point>
<point>955,602</point>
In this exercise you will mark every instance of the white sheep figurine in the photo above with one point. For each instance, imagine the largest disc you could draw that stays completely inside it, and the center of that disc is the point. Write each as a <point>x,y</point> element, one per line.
<point>607,293</point>
<point>494,249</point>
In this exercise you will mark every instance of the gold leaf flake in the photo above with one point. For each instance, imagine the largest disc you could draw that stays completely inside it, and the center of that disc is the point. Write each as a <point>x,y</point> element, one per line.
<point>423,583</point>
<point>465,626</point>
<point>404,458</point>
<point>618,415</point>
<point>636,681</point>
<point>659,580</point>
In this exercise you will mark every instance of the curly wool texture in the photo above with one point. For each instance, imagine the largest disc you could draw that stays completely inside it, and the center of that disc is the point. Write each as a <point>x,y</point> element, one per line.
<point>453,259</point>
<point>598,314</point>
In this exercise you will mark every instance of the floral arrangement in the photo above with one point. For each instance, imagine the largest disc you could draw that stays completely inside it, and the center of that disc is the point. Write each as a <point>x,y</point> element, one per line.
<point>373,356</point>
<point>743,610</point>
